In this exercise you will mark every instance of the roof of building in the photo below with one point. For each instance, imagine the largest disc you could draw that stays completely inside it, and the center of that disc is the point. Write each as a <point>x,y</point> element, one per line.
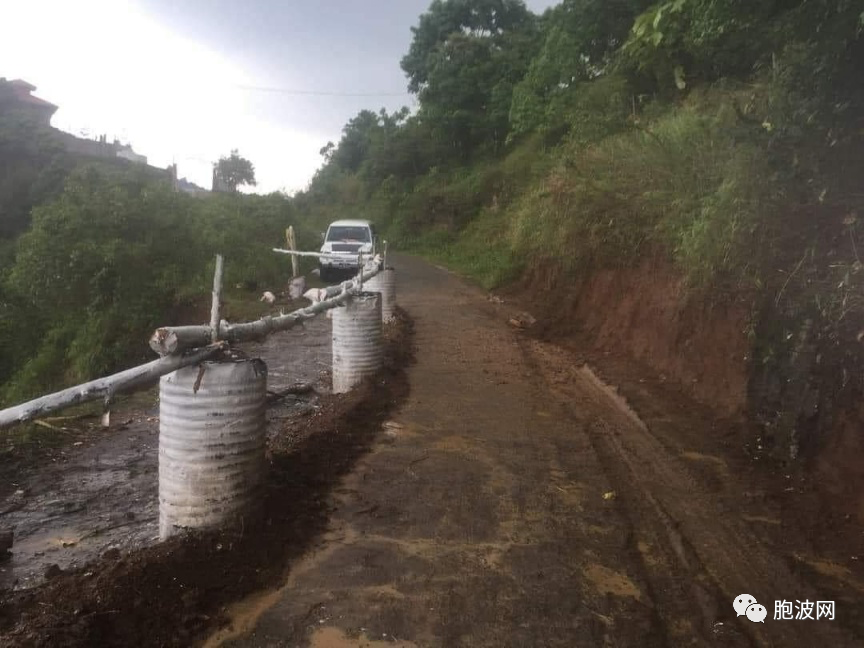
<point>36,101</point>
<point>23,94</point>
<point>21,83</point>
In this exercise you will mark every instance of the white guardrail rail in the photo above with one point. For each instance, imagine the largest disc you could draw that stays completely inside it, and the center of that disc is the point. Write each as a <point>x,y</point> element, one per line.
<point>183,346</point>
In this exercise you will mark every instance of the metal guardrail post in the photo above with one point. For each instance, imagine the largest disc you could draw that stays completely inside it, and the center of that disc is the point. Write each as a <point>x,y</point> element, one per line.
<point>357,341</point>
<point>212,436</point>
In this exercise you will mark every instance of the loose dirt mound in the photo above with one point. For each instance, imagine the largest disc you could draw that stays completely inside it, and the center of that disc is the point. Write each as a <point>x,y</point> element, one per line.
<point>170,594</point>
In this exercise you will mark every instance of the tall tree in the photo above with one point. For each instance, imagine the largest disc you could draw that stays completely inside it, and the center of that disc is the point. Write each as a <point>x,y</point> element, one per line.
<point>580,38</point>
<point>357,137</point>
<point>465,58</point>
<point>233,171</point>
<point>365,140</point>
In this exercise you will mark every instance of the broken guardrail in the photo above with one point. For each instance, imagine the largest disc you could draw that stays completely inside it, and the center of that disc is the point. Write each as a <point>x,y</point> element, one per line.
<point>173,339</point>
<point>182,346</point>
<point>107,387</point>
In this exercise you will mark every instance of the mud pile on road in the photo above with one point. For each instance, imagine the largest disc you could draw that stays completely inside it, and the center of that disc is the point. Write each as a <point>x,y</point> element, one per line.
<point>174,592</point>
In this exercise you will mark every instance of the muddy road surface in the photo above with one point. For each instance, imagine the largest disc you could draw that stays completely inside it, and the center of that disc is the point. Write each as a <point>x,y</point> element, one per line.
<point>495,491</point>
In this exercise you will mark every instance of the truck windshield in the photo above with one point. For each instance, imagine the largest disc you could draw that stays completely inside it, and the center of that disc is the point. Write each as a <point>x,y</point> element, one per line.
<point>344,233</point>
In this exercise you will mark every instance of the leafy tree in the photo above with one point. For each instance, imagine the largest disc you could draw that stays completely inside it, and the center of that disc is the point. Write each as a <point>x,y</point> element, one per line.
<point>113,256</point>
<point>703,40</point>
<point>368,145</point>
<point>357,137</point>
<point>95,273</point>
<point>404,150</point>
<point>465,58</point>
<point>580,40</point>
<point>326,151</point>
<point>233,171</point>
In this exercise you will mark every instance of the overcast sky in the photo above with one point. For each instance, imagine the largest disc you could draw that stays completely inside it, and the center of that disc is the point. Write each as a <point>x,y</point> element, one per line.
<point>188,80</point>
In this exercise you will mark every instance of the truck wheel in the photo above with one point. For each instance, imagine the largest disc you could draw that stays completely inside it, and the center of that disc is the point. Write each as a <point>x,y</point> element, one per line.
<point>324,273</point>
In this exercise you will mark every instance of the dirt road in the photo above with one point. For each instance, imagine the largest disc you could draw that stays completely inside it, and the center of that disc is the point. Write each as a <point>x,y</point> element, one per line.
<point>514,499</point>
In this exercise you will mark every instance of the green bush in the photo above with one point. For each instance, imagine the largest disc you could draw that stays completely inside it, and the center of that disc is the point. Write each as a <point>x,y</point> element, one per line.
<point>115,256</point>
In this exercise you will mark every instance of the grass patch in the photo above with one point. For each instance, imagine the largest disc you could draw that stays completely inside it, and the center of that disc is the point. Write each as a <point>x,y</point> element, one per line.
<point>687,184</point>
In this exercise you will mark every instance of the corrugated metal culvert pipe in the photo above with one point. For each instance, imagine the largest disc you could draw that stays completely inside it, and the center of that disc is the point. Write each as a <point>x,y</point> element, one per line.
<point>212,431</point>
<point>357,344</point>
<point>385,283</point>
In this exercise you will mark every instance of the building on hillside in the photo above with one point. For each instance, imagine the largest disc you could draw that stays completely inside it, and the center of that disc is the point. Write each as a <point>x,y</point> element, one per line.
<point>101,147</point>
<point>17,95</point>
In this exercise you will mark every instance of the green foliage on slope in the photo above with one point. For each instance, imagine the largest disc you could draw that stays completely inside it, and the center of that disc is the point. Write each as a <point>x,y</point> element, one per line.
<point>682,126</point>
<point>115,255</point>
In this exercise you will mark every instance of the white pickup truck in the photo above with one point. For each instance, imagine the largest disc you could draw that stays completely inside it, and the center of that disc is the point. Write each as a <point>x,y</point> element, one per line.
<point>344,241</point>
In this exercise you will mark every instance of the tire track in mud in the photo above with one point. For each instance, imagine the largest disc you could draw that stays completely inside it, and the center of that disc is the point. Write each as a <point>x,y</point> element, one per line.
<point>695,559</point>
<point>647,543</point>
<point>687,599</point>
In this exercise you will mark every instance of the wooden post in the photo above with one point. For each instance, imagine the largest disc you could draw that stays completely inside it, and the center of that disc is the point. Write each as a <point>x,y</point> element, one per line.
<point>217,296</point>
<point>360,272</point>
<point>106,412</point>
<point>292,245</point>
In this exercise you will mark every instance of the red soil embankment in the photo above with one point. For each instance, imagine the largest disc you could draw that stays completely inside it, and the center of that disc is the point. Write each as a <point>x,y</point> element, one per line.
<point>702,344</point>
<point>643,312</point>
